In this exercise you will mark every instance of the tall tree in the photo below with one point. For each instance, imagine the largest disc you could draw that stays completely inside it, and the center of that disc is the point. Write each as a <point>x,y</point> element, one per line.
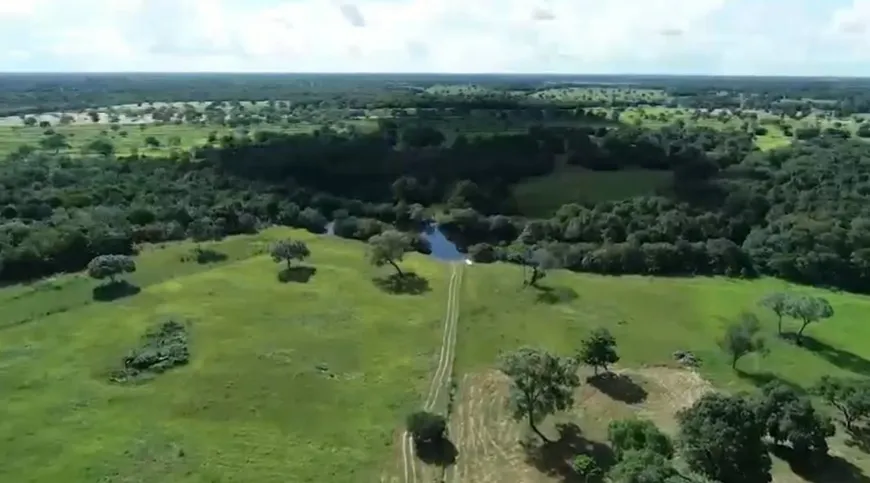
<point>599,350</point>
<point>389,248</point>
<point>791,418</point>
<point>110,266</point>
<point>779,303</point>
<point>720,437</point>
<point>850,396</point>
<point>541,384</point>
<point>809,309</point>
<point>741,338</point>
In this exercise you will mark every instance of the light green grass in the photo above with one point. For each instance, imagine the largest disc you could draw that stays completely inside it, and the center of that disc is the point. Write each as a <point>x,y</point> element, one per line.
<point>653,317</point>
<point>542,196</point>
<point>252,405</point>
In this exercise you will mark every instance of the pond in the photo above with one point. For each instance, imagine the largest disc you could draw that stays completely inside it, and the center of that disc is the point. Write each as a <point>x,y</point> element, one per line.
<point>442,248</point>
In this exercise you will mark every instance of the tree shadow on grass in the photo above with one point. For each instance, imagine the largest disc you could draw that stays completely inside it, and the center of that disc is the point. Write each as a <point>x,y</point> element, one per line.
<point>442,453</point>
<point>554,458</point>
<point>408,283</point>
<point>204,256</point>
<point>838,357</point>
<point>761,379</point>
<point>859,438</point>
<point>297,274</point>
<point>554,295</point>
<point>832,469</point>
<point>115,291</point>
<point>619,387</point>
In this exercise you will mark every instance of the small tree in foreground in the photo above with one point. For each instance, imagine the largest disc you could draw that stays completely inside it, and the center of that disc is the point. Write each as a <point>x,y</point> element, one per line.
<point>850,396</point>
<point>541,384</point>
<point>638,435</point>
<point>599,350</point>
<point>741,338</point>
<point>426,427</point>
<point>289,250</point>
<point>110,266</point>
<point>643,466</point>
<point>389,248</point>
<point>721,438</point>
<point>791,418</point>
<point>586,467</point>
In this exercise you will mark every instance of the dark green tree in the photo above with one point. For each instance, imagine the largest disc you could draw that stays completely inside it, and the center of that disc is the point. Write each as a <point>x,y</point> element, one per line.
<point>643,466</point>
<point>289,250</point>
<point>541,384</point>
<point>599,350</point>
<point>110,266</point>
<point>638,435</point>
<point>426,427</point>
<point>720,437</point>
<point>848,395</point>
<point>791,418</point>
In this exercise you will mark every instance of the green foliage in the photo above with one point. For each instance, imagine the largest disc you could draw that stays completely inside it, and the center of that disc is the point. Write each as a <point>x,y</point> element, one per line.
<point>586,467</point>
<point>599,349</point>
<point>779,303</point>
<point>541,383</point>
<point>721,437</point>
<point>809,309</point>
<point>110,266</point>
<point>848,395</point>
<point>289,250</point>
<point>389,247</point>
<point>791,418</point>
<point>162,348</point>
<point>100,146</point>
<point>627,435</point>
<point>642,466</point>
<point>426,427</point>
<point>742,338</point>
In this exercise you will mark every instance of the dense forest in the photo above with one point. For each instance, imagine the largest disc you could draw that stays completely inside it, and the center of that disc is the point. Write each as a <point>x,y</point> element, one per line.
<point>800,212</point>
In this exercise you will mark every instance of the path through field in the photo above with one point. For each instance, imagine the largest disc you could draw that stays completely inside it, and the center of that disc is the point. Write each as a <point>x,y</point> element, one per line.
<point>442,377</point>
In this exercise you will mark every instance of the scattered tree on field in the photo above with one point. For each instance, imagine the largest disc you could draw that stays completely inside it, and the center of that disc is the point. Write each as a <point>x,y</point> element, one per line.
<point>110,266</point>
<point>540,261</point>
<point>152,142</point>
<point>742,338</point>
<point>389,248</point>
<point>541,384</point>
<point>779,303</point>
<point>289,250</point>
<point>101,146</point>
<point>426,427</point>
<point>627,435</point>
<point>599,350</point>
<point>54,142</point>
<point>791,418</point>
<point>809,309</point>
<point>849,396</point>
<point>30,121</point>
<point>720,437</point>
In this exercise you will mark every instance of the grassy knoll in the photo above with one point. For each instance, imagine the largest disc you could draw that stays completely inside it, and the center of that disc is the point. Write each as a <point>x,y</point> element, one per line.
<point>287,381</point>
<point>543,195</point>
<point>650,318</point>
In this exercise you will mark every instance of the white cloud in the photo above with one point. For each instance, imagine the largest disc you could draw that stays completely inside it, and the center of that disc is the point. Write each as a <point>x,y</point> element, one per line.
<point>707,36</point>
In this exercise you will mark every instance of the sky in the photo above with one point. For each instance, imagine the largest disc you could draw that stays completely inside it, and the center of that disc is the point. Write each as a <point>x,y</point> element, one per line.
<point>717,37</point>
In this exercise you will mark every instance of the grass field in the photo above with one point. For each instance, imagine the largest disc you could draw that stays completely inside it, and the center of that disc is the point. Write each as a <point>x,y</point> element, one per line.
<point>543,195</point>
<point>311,381</point>
<point>287,382</point>
<point>650,318</point>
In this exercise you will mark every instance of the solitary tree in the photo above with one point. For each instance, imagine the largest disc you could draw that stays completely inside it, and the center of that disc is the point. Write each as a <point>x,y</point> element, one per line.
<point>426,427</point>
<point>741,338</point>
<point>389,248</point>
<point>586,467</point>
<point>110,266</point>
<point>541,384</point>
<point>721,438</point>
<point>55,142</point>
<point>289,250</point>
<point>779,303</point>
<point>540,261</point>
<point>809,309</point>
<point>599,350</point>
<point>850,396</point>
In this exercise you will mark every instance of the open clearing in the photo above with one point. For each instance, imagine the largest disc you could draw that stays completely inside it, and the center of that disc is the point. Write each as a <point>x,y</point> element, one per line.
<point>290,381</point>
<point>543,195</point>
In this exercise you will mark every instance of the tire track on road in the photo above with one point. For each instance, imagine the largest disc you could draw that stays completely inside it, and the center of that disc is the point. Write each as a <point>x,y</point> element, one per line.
<point>442,371</point>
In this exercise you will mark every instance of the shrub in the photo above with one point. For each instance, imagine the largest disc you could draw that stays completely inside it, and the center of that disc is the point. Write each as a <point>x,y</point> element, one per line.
<point>161,349</point>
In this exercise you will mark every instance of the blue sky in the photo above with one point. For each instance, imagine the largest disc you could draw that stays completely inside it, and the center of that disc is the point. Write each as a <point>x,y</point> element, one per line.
<point>734,37</point>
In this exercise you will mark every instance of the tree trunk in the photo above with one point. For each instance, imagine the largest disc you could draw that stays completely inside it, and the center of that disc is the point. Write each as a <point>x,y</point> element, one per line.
<point>800,333</point>
<point>734,362</point>
<point>399,270</point>
<point>535,428</point>
<point>779,324</point>
<point>112,279</point>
